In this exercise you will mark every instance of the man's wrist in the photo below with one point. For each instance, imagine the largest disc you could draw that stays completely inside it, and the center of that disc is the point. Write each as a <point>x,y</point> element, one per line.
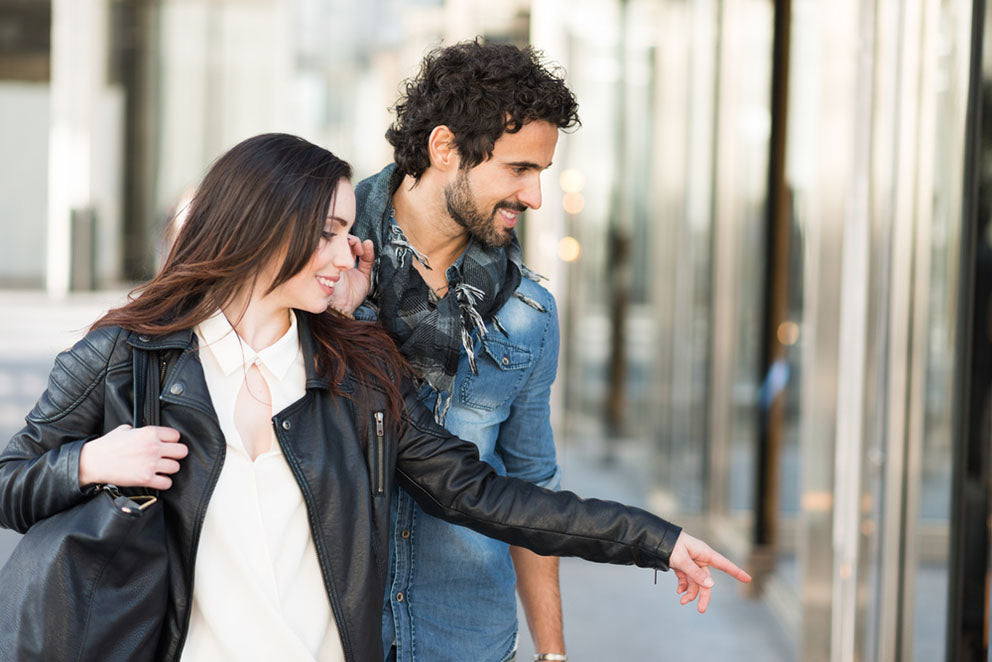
<point>551,657</point>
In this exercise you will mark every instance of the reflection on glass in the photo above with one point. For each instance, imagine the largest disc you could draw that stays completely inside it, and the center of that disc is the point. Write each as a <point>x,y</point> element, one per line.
<point>929,629</point>
<point>745,98</point>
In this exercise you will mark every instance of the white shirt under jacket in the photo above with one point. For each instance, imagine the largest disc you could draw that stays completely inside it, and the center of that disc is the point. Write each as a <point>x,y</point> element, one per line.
<point>258,593</point>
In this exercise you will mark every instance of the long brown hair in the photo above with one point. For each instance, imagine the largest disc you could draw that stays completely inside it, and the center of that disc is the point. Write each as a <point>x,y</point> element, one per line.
<point>265,199</point>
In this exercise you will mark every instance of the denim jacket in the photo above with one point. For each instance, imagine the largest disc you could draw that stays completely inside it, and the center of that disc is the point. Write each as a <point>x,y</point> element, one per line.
<point>451,591</point>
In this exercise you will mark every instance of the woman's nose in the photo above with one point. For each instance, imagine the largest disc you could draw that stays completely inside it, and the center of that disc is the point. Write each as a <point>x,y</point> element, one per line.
<point>343,257</point>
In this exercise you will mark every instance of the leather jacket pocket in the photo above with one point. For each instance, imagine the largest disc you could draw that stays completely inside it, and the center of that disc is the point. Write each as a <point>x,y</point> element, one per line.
<point>376,454</point>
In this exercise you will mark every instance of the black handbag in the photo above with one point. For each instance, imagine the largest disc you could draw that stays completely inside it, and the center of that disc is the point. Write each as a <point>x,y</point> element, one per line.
<point>91,582</point>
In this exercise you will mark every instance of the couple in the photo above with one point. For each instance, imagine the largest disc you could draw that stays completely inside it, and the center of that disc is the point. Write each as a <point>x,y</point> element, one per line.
<point>306,430</point>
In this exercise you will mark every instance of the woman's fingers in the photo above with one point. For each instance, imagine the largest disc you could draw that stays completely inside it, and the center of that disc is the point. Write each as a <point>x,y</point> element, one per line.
<point>161,433</point>
<point>704,600</point>
<point>366,258</point>
<point>355,244</point>
<point>166,466</point>
<point>690,594</point>
<point>159,482</point>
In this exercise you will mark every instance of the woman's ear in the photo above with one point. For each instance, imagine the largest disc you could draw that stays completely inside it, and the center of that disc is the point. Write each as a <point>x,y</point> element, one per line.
<point>442,149</point>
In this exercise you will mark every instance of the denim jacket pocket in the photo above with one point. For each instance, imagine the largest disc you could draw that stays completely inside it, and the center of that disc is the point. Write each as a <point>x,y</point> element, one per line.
<point>502,368</point>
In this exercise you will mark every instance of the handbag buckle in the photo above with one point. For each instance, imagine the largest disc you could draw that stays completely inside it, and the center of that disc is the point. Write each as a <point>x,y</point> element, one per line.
<point>129,504</point>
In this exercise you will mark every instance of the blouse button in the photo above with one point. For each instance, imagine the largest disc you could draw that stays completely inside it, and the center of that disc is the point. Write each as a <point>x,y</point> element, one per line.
<point>177,388</point>
<point>286,425</point>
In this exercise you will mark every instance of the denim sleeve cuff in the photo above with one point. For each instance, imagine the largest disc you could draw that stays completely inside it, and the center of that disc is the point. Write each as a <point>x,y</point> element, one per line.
<point>365,313</point>
<point>552,483</point>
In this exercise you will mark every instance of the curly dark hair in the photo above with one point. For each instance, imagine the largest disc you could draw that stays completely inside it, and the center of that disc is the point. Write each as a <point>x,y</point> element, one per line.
<point>479,91</point>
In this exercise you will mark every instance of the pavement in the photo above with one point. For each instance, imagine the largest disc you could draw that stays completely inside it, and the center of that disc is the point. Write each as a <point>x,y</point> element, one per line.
<point>610,612</point>
<point>618,612</point>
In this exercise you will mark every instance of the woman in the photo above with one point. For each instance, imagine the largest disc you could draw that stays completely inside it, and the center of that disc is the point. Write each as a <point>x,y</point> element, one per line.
<point>291,422</point>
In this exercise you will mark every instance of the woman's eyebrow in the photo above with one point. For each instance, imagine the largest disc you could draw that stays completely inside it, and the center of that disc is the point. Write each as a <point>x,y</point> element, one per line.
<point>340,220</point>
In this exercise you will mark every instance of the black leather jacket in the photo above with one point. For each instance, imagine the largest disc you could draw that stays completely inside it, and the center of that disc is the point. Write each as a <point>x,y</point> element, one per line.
<point>346,481</point>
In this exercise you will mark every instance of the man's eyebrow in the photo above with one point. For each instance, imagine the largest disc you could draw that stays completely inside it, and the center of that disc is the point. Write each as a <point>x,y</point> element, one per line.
<point>528,164</point>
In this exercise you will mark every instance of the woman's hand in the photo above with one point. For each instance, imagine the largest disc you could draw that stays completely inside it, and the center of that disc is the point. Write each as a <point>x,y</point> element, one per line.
<point>353,285</point>
<point>126,457</point>
<point>691,560</point>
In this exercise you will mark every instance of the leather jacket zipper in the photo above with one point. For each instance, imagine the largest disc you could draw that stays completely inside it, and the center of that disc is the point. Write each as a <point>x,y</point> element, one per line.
<point>378,465</point>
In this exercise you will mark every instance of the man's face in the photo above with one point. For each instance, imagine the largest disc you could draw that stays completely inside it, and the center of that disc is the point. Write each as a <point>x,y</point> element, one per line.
<point>487,199</point>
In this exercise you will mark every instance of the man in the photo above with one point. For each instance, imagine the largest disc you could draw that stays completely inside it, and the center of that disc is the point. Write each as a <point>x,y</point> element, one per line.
<point>473,133</point>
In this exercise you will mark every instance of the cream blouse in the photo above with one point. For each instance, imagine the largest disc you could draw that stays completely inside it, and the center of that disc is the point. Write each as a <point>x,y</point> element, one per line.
<point>258,593</point>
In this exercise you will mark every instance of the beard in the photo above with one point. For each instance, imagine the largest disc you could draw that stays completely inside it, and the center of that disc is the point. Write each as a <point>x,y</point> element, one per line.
<point>462,208</point>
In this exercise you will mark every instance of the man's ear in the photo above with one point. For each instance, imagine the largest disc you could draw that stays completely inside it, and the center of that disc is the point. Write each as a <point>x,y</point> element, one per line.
<point>442,150</point>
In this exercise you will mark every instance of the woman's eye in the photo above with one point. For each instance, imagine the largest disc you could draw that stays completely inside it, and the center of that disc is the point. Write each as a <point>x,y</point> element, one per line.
<point>327,234</point>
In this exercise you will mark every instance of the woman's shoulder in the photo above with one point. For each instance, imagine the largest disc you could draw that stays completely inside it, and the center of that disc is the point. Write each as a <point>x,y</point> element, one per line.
<point>98,346</point>
<point>78,370</point>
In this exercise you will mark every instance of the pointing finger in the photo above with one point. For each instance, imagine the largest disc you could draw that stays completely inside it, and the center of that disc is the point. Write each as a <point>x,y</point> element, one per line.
<point>721,562</point>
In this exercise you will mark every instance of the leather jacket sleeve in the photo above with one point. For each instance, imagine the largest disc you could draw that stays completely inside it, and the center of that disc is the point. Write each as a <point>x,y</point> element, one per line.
<point>447,478</point>
<point>39,468</point>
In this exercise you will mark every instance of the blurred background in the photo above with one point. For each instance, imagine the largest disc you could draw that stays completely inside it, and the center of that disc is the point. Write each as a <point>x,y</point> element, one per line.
<point>769,242</point>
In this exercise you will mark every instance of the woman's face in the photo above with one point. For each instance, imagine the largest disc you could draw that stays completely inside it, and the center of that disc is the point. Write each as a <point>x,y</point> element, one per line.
<point>310,289</point>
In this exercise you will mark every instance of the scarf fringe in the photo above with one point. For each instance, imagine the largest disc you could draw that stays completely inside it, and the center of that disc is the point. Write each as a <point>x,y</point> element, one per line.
<point>530,302</point>
<point>468,298</point>
<point>499,326</point>
<point>403,246</point>
<point>441,406</point>
<point>530,274</point>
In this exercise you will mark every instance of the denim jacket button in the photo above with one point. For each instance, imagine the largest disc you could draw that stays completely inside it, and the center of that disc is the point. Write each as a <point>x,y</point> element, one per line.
<point>405,534</point>
<point>286,425</point>
<point>506,360</point>
<point>177,389</point>
<point>399,597</point>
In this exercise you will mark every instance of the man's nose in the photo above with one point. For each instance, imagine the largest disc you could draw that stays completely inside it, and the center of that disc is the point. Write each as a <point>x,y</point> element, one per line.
<point>531,194</point>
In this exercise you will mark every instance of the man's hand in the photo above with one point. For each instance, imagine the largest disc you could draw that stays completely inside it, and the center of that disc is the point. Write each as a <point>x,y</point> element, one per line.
<point>691,560</point>
<point>354,284</point>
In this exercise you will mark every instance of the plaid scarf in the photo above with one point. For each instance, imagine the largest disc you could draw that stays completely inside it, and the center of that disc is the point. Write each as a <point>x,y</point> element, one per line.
<point>432,331</point>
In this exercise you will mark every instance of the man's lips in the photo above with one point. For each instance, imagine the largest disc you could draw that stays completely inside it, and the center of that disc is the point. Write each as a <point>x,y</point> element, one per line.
<point>510,213</point>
